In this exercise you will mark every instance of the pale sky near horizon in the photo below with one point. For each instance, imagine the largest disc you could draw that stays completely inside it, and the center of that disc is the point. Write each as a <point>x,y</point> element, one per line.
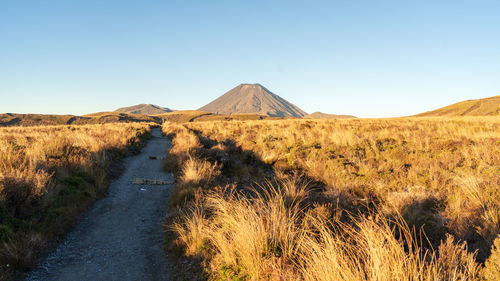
<point>365,58</point>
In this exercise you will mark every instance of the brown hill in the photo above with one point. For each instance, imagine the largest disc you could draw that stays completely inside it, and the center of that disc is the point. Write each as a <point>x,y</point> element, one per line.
<point>110,117</point>
<point>16,119</point>
<point>183,116</point>
<point>321,115</point>
<point>144,109</point>
<point>253,99</point>
<point>481,107</point>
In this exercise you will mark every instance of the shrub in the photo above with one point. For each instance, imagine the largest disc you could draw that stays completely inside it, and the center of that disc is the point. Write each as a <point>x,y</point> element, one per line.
<point>198,172</point>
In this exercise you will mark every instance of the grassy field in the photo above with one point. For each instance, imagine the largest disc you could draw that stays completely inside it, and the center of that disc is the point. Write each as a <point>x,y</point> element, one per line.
<point>185,116</point>
<point>48,176</point>
<point>358,199</point>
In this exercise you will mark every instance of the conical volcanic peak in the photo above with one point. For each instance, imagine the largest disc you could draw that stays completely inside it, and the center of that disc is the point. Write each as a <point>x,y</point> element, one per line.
<point>145,109</point>
<point>254,99</point>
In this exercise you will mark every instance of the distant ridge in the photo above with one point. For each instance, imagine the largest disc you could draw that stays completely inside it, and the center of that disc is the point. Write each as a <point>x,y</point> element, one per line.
<point>321,115</point>
<point>144,109</point>
<point>253,99</point>
<point>17,119</point>
<point>480,107</point>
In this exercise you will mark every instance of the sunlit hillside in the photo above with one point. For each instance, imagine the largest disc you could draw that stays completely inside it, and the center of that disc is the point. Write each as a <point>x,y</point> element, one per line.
<point>480,107</point>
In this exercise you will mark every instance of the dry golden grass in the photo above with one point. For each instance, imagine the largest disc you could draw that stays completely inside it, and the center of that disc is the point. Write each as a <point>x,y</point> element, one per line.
<point>192,230</point>
<point>480,107</point>
<point>491,270</point>
<point>267,237</point>
<point>455,160</point>
<point>48,175</point>
<point>184,116</point>
<point>398,195</point>
<point>183,140</point>
<point>195,171</point>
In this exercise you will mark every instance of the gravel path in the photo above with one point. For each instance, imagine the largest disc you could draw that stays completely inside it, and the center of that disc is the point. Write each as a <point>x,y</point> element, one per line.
<point>121,236</point>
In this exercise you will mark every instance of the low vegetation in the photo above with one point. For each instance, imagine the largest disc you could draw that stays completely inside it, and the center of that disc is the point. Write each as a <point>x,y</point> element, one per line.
<point>184,116</point>
<point>48,176</point>
<point>15,119</point>
<point>357,199</point>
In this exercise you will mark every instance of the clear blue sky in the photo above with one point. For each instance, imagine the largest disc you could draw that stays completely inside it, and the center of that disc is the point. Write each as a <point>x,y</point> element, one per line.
<point>367,58</point>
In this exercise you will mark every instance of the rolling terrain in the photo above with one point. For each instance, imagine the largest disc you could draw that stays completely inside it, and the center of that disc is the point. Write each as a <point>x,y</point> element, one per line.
<point>481,107</point>
<point>318,199</point>
<point>16,119</point>
<point>114,117</point>
<point>184,116</point>
<point>321,115</point>
<point>144,109</point>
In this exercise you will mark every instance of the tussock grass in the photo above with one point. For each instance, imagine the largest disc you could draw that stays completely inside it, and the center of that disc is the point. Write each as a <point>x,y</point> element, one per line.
<point>193,172</point>
<point>192,230</point>
<point>491,270</point>
<point>394,199</point>
<point>48,176</point>
<point>267,237</point>
<point>196,171</point>
<point>452,161</point>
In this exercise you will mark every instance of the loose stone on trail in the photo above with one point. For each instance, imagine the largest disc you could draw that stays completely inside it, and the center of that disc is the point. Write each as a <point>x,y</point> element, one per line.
<point>156,158</point>
<point>149,182</point>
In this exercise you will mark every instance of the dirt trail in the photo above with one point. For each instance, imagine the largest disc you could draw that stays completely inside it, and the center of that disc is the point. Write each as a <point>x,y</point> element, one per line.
<point>121,237</point>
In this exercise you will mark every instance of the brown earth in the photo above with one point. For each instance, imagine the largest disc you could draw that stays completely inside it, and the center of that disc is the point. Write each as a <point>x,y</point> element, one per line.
<point>253,99</point>
<point>144,109</point>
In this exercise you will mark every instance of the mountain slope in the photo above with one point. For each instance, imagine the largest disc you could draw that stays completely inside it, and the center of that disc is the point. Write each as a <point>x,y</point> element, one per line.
<point>145,109</point>
<point>321,115</point>
<point>480,107</point>
<point>254,99</point>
